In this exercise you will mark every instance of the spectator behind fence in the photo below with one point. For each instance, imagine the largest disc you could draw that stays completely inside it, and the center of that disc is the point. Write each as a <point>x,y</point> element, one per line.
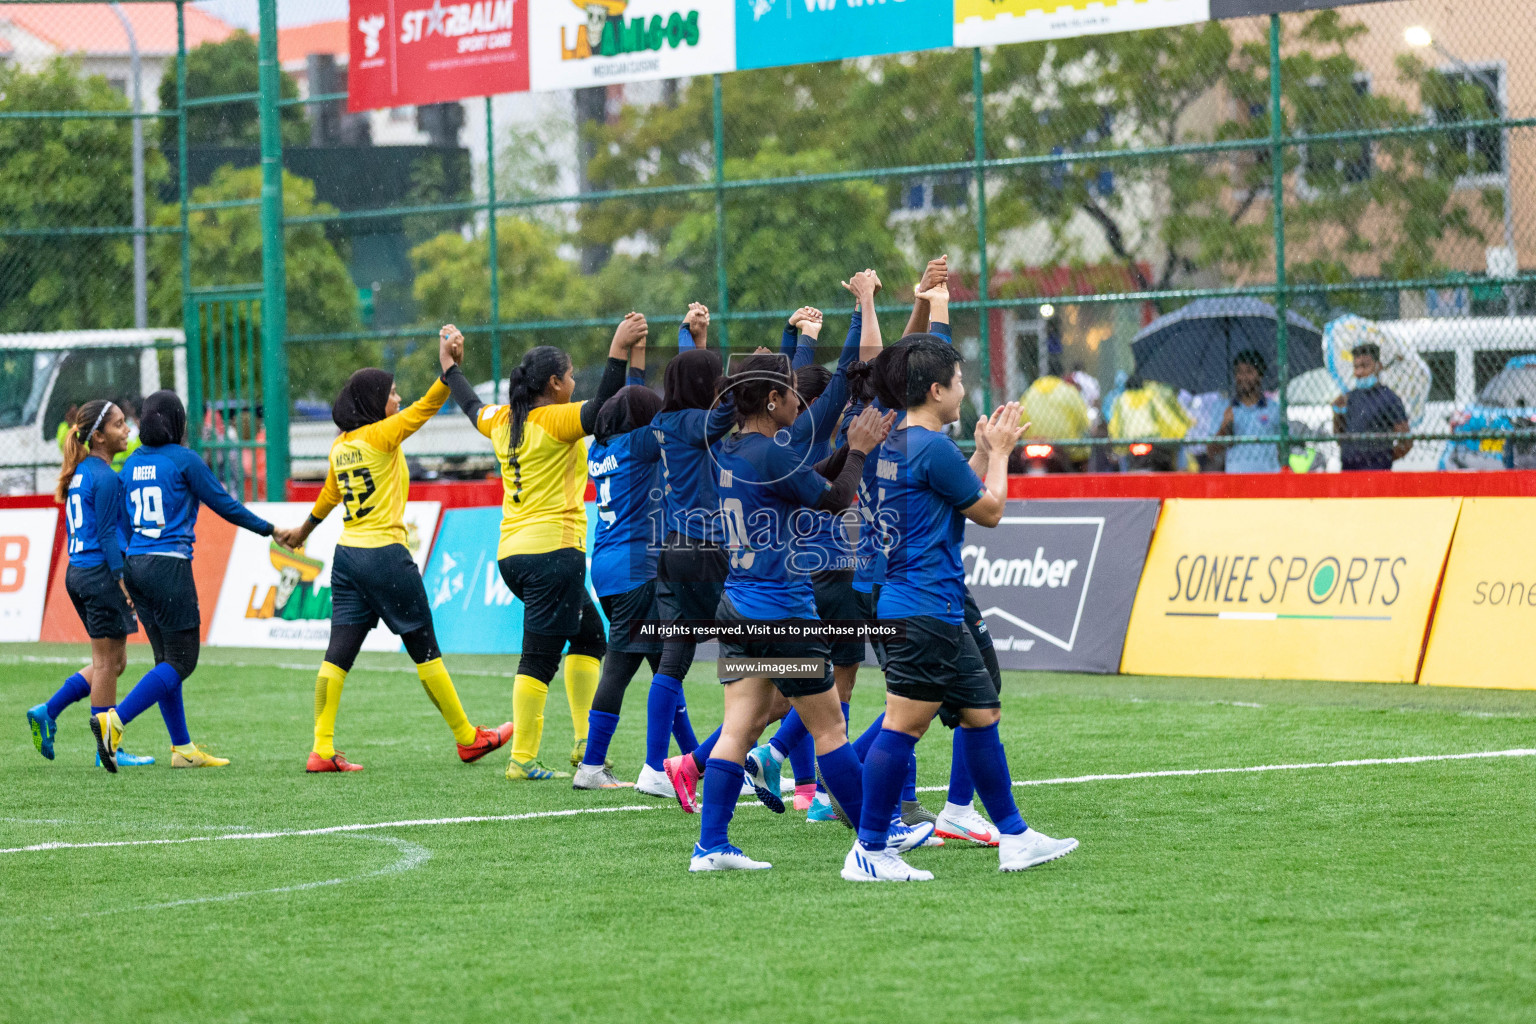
<point>1370,408</point>
<point>1251,414</point>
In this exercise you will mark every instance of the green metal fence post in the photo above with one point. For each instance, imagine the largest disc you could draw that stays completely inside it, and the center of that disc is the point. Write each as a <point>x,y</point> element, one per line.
<point>1277,196</point>
<point>189,320</point>
<point>490,208</point>
<point>722,300</point>
<point>984,325</point>
<point>274,304</point>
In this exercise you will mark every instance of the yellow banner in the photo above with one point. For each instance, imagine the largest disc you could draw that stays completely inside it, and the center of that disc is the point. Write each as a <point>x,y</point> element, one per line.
<point>1290,589</point>
<point>1487,611</point>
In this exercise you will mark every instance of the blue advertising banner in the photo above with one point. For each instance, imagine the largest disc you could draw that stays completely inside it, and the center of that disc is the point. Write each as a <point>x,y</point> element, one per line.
<point>771,33</point>
<point>472,609</point>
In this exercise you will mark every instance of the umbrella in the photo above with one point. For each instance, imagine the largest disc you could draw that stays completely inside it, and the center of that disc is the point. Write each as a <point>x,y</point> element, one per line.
<point>1402,369</point>
<point>1192,348</point>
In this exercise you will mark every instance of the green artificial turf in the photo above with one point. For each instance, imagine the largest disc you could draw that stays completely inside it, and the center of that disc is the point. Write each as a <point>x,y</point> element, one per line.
<point>1381,893</point>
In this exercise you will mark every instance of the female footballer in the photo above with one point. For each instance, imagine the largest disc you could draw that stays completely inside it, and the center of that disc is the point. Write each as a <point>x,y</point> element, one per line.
<point>373,576</point>
<point>539,437</point>
<point>165,483</point>
<point>92,496</point>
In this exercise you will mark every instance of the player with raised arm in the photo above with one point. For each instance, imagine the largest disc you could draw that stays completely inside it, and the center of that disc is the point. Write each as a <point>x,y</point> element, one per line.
<point>761,484</point>
<point>94,522</point>
<point>539,439</point>
<point>165,484</point>
<point>927,492</point>
<point>373,575</point>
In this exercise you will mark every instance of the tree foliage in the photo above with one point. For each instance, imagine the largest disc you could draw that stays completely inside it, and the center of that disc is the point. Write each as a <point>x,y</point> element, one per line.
<point>221,69</point>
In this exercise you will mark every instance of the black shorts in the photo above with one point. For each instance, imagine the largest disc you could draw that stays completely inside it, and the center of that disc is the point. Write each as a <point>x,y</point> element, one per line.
<point>837,601</point>
<point>626,609</point>
<point>937,662</point>
<point>369,584</point>
<point>808,648</point>
<point>690,578</point>
<point>553,588</point>
<point>163,592</point>
<point>867,601</point>
<point>99,602</point>
<point>975,623</point>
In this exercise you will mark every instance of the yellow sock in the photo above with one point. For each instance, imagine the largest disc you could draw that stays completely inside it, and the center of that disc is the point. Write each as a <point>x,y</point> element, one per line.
<point>528,697</point>
<point>581,674</point>
<point>327,703</point>
<point>439,686</point>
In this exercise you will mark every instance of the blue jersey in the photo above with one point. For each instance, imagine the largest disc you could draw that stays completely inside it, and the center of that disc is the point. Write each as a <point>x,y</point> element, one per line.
<point>922,483</point>
<point>680,440</point>
<point>767,491</point>
<point>629,529</point>
<point>165,485</point>
<point>93,516</point>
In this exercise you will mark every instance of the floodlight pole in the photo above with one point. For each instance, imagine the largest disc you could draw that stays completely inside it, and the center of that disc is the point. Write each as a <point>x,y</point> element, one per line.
<point>274,303</point>
<point>1277,198</point>
<point>140,277</point>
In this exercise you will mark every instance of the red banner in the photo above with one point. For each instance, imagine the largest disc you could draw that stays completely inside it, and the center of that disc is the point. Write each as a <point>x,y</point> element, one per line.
<point>404,53</point>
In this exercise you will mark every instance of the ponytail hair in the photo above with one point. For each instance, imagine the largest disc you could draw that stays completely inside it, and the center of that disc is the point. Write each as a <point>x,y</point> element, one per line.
<point>528,380</point>
<point>77,443</point>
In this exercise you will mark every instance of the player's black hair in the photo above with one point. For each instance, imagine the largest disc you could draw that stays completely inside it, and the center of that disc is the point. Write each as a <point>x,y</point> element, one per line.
<point>528,380</point>
<point>756,379</point>
<point>903,374</point>
<point>811,381</point>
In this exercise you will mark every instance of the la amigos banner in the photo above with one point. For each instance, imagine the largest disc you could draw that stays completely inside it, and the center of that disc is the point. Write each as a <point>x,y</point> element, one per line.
<point>404,52</point>
<point>272,597</point>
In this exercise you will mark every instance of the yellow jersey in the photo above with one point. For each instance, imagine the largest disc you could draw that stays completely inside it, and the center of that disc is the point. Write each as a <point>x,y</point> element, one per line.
<point>544,507</point>
<point>367,475</point>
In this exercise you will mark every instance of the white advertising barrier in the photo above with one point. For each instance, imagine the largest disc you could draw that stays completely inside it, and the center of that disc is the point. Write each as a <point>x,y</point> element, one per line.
<point>274,598</point>
<point>574,45</point>
<point>26,544</point>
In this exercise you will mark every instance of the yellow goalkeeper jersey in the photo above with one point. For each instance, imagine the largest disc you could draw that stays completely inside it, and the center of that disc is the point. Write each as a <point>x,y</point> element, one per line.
<point>368,478</point>
<point>544,506</point>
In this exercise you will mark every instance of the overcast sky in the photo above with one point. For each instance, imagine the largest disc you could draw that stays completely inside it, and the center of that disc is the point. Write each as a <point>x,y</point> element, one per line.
<point>289,12</point>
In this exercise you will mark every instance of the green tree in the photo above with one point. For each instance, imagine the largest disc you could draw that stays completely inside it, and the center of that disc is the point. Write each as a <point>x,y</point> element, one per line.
<point>226,249</point>
<point>220,69</point>
<point>75,173</point>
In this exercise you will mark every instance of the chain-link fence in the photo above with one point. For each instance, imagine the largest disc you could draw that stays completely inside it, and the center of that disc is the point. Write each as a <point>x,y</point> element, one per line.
<point>1115,193</point>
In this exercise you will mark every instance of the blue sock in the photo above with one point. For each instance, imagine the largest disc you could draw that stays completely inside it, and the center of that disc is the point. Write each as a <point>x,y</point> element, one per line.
<point>660,711</point>
<point>147,691</point>
<point>74,688</point>
<point>909,788</point>
<point>722,788</point>
<point>175,715</point>
<point>845,776</point>
<point>803,761</point>
<point>862,744</point>
<point>988,763</point>
<point>701,752</point>
<point>792,732</point>
<point>600,727</point>
<point>96,710</point>
<point>885,768</point>
<point>961,789</point>
<point>682,728</point>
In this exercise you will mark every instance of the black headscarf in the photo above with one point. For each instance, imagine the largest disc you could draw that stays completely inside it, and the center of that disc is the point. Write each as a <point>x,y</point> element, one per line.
<point>689,382</point>
<point>629,409</point>
<point>363,399</point>
<point>163,419</point>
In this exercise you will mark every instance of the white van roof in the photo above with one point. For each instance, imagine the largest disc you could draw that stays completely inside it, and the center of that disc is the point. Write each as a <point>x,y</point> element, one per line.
<point>55,340</point>
<point>1475,333</point>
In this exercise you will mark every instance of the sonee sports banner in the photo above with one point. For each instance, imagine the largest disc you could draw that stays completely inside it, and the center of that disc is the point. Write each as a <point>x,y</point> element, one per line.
<point>1055,580</point>
<point>1338,588</point>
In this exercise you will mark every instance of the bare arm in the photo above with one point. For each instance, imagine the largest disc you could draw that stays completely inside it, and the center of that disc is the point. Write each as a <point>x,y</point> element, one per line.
<point>1003,432</point>
<point>936,272</point>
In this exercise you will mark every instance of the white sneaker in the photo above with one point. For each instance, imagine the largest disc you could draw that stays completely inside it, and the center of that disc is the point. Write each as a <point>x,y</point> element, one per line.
<point>885,865</point>
<point>1029,848</point>
<point>960,821</point>
<point>595,776</point>
<point>654,783</point>
<point>903,837</point>
<point>724,858</point>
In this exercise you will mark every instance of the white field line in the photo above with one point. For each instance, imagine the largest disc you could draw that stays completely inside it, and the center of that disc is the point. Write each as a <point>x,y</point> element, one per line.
<point>532,815</point>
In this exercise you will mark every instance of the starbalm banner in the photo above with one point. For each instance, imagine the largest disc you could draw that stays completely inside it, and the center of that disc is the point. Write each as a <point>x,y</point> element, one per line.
<point>1333,588</point>
<point>993,22</point>
<point>573,44</point>
<point>407,53</point>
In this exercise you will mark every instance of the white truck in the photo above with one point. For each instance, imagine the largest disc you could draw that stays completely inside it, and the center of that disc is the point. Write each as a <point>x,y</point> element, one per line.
<point>43,375</point>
